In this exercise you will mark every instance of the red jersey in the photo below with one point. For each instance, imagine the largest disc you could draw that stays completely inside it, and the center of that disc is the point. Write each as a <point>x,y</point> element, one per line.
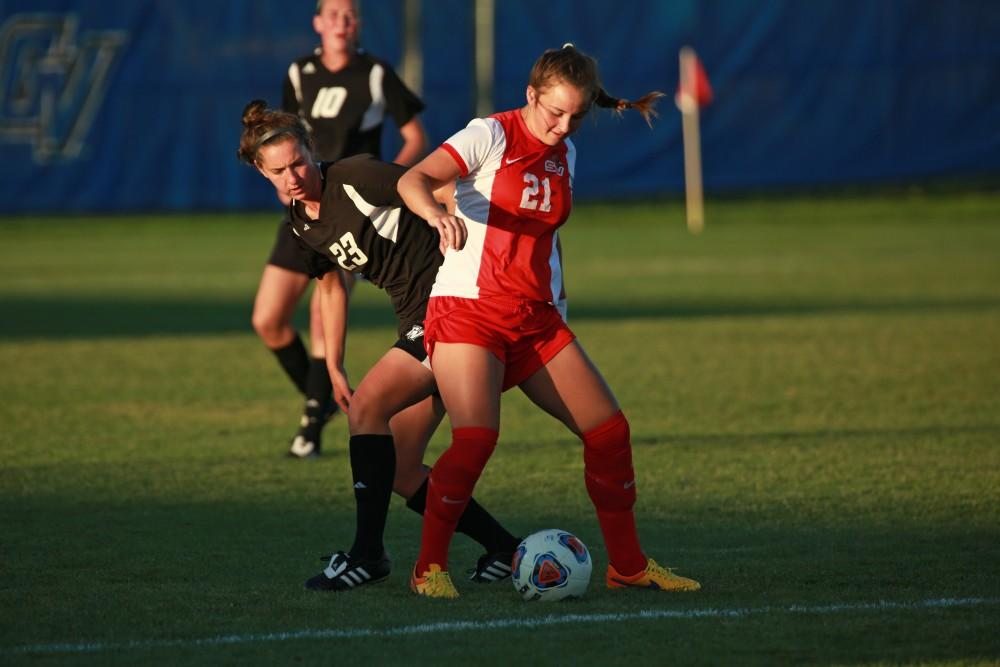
<point>514,193</point>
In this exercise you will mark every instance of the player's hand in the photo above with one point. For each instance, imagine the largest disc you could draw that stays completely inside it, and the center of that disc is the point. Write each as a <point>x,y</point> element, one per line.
<point>342,391</point>
<point>452,230</point>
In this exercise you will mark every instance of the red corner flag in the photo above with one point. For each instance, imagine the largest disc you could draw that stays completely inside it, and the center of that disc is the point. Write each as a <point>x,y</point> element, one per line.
<point>693,93</point>
<point>693,90</point>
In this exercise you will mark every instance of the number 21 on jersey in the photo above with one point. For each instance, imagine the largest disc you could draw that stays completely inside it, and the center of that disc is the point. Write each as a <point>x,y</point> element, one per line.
<point>530,193</point>
<point>347,253</point>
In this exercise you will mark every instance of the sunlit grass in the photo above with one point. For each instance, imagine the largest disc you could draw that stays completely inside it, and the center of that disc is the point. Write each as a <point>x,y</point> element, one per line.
<point>813,387</point>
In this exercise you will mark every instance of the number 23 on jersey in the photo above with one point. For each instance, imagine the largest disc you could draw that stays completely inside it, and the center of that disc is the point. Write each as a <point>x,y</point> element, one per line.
<point>348,254</point>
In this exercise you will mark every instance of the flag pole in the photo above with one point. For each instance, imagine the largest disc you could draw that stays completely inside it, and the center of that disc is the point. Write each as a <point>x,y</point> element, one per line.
<point>688,104</point>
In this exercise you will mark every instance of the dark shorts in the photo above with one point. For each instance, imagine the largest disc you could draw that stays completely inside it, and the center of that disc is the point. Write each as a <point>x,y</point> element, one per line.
<point>287,253</point>
<point>412,342</point>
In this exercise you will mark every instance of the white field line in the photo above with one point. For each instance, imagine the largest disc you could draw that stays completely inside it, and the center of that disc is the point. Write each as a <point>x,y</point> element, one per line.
<point>498,624</point>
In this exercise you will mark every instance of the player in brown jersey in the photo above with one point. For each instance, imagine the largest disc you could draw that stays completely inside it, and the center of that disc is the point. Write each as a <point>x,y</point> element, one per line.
<point>350,217</point>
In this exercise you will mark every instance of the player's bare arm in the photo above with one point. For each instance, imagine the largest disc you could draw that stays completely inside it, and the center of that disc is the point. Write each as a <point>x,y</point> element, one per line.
<point>334,298</point>
<point>417,187</point>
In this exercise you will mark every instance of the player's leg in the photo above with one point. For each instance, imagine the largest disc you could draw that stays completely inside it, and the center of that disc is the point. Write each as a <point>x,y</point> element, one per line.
<point>278,294</point>
<point>397,383</point>
<point>412,430</point>
<point>469,378</point>
<point>319,405</point>
<point>394,383</point>
<point>285,280</point>
<point>570,388</point>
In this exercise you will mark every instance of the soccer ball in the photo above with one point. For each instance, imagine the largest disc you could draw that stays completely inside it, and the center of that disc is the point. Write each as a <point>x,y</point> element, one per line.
<point>551,565</point>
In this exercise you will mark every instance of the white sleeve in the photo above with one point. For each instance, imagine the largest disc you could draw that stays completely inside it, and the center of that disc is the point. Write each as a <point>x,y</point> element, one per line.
<point>571,161</point>
<point>482,142</point>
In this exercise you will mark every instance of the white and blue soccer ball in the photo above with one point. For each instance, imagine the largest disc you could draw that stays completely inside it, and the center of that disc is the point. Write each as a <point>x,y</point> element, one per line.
<point>551,565</point>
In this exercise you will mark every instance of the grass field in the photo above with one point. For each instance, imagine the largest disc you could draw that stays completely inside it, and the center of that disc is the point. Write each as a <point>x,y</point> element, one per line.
<point>813,387</point>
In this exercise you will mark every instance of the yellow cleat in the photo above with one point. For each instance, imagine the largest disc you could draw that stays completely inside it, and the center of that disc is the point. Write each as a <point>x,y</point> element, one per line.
<point>654,577</point>
<point>435,583</point>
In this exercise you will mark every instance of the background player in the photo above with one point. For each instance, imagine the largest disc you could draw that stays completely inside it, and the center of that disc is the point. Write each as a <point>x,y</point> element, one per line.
<point>343,95</point>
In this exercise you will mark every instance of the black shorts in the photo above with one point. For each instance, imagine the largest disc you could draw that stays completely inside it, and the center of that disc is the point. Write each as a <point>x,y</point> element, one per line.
<point>412,342</point>
<point>287,253</point>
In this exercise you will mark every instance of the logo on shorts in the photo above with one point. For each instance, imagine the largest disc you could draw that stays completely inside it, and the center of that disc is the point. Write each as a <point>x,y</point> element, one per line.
<point>414,333</point>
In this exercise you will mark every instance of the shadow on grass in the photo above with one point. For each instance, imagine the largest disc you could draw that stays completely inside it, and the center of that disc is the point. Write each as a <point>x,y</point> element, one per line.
<point>167,570</point>
<point>100,318</point>
<point>43,317</point>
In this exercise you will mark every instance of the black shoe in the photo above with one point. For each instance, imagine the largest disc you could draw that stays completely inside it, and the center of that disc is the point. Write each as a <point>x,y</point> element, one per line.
<point>346,572</point>
<point>492,567</point>
<point>306,443</point>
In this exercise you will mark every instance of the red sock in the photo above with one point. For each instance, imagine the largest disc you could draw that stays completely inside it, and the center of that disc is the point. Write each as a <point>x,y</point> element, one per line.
<point>450,486</point>
<point>610,479</point>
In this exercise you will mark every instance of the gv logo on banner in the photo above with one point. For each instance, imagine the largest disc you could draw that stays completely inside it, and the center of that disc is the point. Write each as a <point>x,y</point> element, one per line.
<point>52,82</point>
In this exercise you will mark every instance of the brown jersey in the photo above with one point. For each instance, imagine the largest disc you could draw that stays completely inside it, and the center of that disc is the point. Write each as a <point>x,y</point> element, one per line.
<point>365,228</point>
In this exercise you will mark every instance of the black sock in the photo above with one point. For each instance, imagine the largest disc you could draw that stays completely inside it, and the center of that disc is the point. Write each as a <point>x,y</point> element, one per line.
<point>373,464</point>
<point>475,522</point>
<point>294,359</point>
<point>318,394</point>
<point>418,501</point>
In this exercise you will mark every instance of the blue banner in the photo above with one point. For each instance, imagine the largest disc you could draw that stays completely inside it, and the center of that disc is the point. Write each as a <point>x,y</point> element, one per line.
<point>124,105</point>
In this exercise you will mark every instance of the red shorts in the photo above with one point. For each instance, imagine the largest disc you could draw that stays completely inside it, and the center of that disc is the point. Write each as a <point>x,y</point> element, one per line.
<point>525,335</point>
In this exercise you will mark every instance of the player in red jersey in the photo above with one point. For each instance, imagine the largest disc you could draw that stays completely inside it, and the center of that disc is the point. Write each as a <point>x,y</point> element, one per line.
<point>492,322</point>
